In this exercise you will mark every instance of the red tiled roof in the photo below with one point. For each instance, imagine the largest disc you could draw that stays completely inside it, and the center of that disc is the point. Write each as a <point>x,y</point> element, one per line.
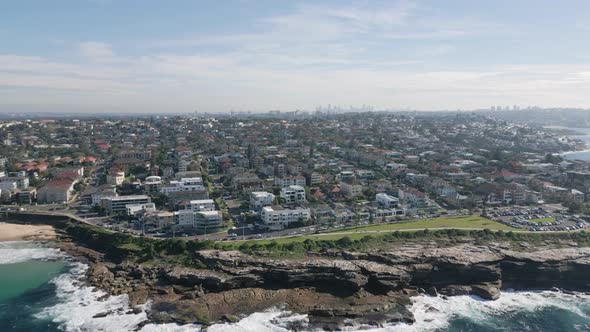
<point>61,183</point>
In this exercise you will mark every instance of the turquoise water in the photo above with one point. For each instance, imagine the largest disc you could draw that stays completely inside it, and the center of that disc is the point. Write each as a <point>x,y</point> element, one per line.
<point>40,290</point>
<point>25,274</point>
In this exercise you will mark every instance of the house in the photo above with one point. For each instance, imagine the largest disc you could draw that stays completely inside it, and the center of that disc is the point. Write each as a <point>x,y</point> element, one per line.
<point>322,213</point>
<point>351,189</point>
<point>387,201</point>
<point>115,177</point>
<point>246,181</point>
<point>412,198</point>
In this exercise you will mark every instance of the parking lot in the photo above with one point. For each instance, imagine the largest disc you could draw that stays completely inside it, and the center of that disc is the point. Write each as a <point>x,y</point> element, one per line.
<point>542,218</point>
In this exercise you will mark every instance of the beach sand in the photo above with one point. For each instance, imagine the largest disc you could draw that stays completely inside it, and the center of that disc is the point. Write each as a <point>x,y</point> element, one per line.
<point>15,232</point>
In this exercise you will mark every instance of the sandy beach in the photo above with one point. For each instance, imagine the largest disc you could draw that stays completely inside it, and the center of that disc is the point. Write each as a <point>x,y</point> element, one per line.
<point>14,232</point>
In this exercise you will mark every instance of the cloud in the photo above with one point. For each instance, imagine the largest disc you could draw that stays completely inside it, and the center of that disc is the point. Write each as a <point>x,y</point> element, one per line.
<point>96,50</point>
<point>383,55</point>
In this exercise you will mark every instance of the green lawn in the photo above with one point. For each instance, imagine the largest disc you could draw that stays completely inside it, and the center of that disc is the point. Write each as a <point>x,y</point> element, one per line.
<point>355,233</point>
<point>475,222</point>
<point>548,219</point>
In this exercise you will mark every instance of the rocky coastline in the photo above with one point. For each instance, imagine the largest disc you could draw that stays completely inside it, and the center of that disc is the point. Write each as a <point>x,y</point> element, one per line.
<point>335,288</point>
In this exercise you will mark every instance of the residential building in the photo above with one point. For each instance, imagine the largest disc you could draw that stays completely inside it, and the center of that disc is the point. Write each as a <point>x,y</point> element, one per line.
<point>152,185</point>
<point>134,154</point>
<point>351,189</point>
<point>139,209</point>
<point>293,194</point>
<point>56,191</point>
<point>184,219</point>
<point>207,221</point>
<point>286,181</point>
<point>199,205</point>
<point>259,199</point>
<point>117,205</point>
<point>387,201</point>
<point>412,198</point>
<point>314,179</point>
<point>277,217</point>
<point>115,177</point>
<point>21,182</point>
<point>184,185</point>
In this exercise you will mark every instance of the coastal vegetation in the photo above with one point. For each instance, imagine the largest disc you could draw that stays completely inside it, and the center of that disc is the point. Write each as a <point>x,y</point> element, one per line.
<point>119,246</point>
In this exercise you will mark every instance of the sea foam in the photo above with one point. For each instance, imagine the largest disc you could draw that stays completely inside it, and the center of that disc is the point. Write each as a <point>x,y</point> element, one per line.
<point>22,251</point>
<point>84,308</point>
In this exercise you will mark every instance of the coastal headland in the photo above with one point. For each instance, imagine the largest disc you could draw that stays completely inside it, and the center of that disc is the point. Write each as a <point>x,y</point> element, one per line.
<point>337,283</point>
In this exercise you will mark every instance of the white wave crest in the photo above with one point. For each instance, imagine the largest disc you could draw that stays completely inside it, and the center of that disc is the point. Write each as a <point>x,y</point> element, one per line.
<point>274,320</point>
<point>22,251</point>
<point>84,308</point>
<point>435,313</point>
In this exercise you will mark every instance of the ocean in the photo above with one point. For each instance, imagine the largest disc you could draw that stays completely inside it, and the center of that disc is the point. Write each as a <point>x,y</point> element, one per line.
<point>41,289</point>
<point>579,155</point>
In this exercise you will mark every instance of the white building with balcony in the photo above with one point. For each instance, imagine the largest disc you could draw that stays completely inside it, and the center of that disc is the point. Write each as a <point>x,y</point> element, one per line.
<point>259,199</point>
<point>277,217</point>
<point>293,194</point>
<point>387,201</point>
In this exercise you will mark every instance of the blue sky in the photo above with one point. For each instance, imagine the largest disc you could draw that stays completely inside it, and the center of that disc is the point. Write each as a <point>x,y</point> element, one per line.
<point>176,56</point>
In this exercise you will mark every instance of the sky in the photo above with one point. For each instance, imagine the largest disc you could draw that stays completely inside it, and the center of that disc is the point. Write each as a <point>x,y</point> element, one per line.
<point>152,56</point>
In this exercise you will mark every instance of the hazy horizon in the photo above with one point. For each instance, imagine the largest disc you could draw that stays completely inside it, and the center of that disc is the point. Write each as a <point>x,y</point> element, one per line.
<point>177,57</point>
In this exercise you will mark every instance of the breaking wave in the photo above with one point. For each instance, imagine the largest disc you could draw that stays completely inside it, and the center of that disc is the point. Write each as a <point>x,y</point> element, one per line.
<point>12,252</point>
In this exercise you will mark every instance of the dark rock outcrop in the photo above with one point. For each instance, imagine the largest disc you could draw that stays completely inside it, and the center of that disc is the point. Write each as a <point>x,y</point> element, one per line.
<point>335,287</point>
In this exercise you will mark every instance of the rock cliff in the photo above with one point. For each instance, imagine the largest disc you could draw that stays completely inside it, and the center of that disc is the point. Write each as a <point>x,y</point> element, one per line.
<point>337,287</point>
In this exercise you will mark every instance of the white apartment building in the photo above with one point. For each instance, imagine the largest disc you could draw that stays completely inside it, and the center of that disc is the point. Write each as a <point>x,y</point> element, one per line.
<point>387,201</point>
<point>118,205</point>
<point>21,182</point>
<point>286,181</point>
<point>184,218</point>
<point>277,217</point>
<point>139,209</point>
<point>204,221</point>
<point>184,185</point>
<point>200,205</point>
<point>208,220</point>
<point>259,199</point>
<point>293,194</point>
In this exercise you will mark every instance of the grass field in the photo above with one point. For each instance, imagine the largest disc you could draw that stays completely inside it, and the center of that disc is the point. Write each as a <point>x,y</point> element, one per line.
<point>548,219</point>
<point>469,222</point>
<point>475,222</point>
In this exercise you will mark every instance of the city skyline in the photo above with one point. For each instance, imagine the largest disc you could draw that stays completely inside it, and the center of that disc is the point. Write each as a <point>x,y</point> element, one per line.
<point>149,56</point>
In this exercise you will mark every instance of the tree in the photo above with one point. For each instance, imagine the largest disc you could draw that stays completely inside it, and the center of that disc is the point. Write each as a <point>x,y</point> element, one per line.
<point>575,207</point>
